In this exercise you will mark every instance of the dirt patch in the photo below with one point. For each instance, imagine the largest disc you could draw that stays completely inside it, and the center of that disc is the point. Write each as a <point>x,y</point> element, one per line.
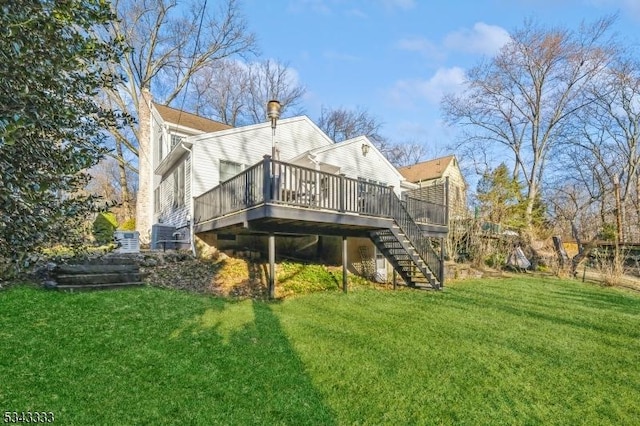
<point>225,276</point>
<point>626,281</point>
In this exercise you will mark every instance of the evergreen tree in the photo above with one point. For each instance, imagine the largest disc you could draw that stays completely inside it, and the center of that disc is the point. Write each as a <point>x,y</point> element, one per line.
<point>500,197</point>
<point>53,66</point>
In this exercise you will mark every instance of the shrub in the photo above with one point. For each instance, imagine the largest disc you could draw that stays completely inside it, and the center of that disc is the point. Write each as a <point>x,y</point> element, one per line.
<point>128,225</point>
<point>103,227</point>
<point>51,134</point>
<point>608,232</point>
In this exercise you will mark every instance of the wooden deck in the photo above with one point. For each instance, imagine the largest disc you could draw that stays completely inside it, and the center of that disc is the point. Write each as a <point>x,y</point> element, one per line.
<point>273,197</point>
<point>284,198</point>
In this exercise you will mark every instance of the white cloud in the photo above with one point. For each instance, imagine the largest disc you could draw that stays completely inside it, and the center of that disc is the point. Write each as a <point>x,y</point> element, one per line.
<point>445,80</point>
<point>482,39</point>
<point>356,13</point>
<point>420,45</point>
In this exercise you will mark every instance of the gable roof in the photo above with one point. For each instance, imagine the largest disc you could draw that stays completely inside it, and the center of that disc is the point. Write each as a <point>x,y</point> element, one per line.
<point>358,141</point>
<point>426,170</point>
<point>299,119</point>
<point>186,119</point>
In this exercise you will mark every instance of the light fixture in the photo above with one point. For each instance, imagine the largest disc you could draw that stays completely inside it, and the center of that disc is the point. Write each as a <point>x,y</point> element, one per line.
<point>273,113</point>
<point>365,149</point>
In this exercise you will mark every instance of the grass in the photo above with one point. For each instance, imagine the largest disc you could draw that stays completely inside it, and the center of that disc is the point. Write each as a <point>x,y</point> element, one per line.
<point>514,351</point>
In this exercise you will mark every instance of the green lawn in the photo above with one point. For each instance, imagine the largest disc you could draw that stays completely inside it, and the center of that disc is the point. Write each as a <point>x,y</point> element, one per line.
<point>512,351</point>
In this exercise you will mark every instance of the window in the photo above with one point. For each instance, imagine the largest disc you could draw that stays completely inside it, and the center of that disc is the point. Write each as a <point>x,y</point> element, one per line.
<point>362,185</point>
<point>229,169</point>
<point>160,153</point>
<point>156,200</point>
<point>175,140</point>
<point>178,186</point>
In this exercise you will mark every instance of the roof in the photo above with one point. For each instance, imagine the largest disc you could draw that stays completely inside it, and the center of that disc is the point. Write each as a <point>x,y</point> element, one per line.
<point>267,124</point>
<point>186,119</point>
<point>426,170</point>
<point>358,140</point>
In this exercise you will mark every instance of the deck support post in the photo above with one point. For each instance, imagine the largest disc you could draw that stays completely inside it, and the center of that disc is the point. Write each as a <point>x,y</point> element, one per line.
<point>272,266</point>
<point>267,189</point>
<point>344,264</point>
<point>342,194</point>
<point>395,278</point>
<point>442,254</point>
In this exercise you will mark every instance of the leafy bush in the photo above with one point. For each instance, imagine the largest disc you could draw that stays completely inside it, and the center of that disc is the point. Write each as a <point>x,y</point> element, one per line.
<point>128,225</point>
<point>103,227</point>
<point>52,126</point>
<point>609,232</point>
<point>301,278</point>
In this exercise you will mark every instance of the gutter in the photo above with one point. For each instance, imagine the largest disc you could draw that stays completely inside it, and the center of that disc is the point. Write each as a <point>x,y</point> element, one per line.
<point>191,207</point>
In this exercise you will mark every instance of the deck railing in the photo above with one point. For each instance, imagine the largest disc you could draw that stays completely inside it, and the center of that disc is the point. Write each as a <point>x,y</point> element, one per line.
<point>284,183</point>
<point>426,212</point>
<point>415,235</point>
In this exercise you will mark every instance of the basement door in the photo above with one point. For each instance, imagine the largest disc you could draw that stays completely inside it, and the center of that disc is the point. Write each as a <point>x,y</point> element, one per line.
<point>381,266</point>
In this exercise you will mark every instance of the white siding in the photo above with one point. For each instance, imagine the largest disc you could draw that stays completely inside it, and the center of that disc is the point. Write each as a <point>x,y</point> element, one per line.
<point>348,156</point>
<point>169,213</point>
<point>157,132</point>
<point>248,145</point>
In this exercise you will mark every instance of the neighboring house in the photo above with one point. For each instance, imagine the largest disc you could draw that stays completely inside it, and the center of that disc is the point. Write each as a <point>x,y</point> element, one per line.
<point>221,185</point>
<point>430,176</point>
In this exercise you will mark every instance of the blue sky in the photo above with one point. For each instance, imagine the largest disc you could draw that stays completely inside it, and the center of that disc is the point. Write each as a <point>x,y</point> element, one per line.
<point>395,58</point>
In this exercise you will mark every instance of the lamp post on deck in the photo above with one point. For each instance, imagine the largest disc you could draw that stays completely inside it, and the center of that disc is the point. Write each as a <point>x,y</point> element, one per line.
<point>273,113</point>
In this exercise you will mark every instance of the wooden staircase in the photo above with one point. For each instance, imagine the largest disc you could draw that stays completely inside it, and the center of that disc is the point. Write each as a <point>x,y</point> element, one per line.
<point>405,259</point>
<point>409,251</point>
<point>96,274</point>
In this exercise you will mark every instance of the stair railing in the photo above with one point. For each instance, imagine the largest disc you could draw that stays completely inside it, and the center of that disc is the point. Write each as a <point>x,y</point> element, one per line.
<point>414,234</point>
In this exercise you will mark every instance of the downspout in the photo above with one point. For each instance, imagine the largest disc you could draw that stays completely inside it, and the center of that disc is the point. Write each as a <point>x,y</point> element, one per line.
<point>312,243</point>
<point>191,207</point>
<point>312,158</point>
<point>151,173</point>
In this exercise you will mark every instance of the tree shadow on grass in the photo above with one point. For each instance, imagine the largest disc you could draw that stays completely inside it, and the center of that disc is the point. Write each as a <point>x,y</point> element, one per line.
<point>250,372</point>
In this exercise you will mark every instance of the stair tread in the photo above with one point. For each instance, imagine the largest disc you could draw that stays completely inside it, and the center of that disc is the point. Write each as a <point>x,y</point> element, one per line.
<point>405,257</point>
<point>99,286</point>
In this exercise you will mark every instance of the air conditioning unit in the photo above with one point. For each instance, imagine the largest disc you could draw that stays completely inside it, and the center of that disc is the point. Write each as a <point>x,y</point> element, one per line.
<point>127,241</point>
<point>162,237</point>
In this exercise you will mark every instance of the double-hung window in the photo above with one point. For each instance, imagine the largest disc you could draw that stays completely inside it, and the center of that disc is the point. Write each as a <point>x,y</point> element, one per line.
<point>229,169</point>
<point>175,140</point>
<point>178,186</point>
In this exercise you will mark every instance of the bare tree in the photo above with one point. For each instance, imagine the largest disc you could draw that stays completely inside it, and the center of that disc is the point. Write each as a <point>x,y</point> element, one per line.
<point>520,100</point>
<point>220,92</point>
<point>615,118</point>
<point>602,149</point>
<point>237,93</point>
<point>341,124</point>
<point>405,154</point>
<point>272,80</point>
<point>168,44</point>
<point>106,184</point>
